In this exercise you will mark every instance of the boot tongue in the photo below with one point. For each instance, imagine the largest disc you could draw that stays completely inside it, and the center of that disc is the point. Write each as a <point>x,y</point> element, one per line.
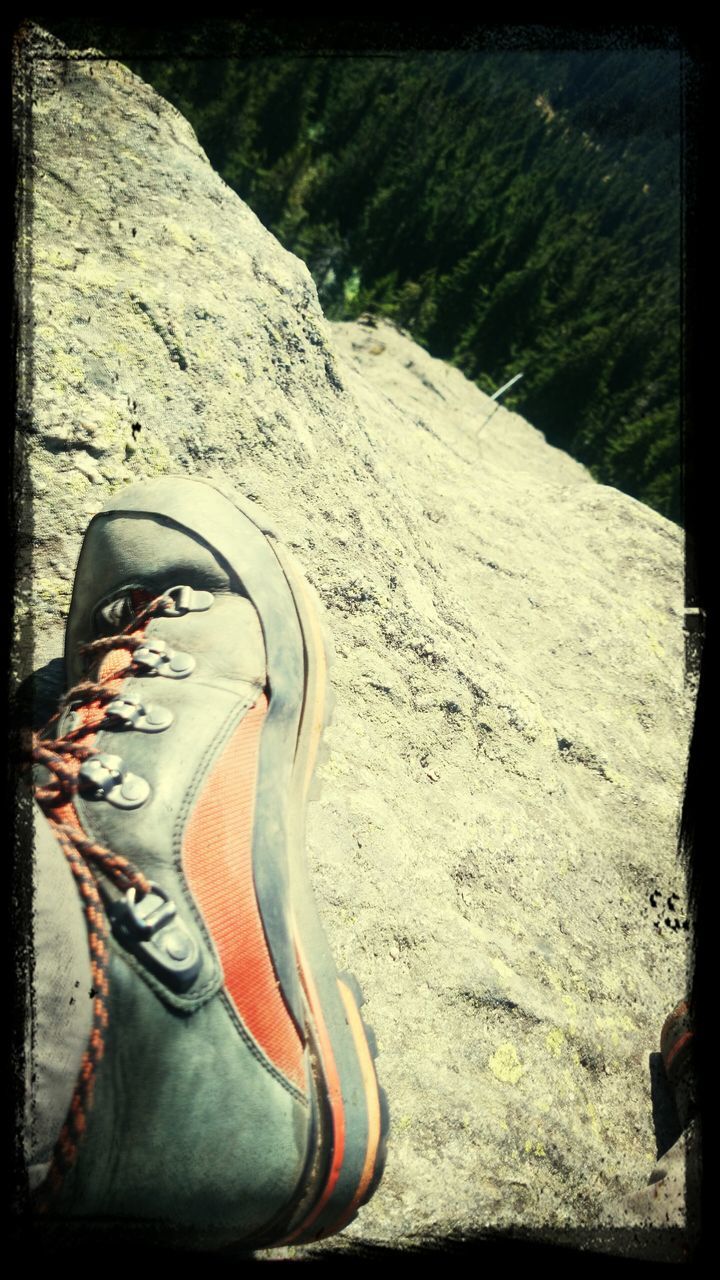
<point>115,617</point>
<point>114,664</point>
<point>117,614</point>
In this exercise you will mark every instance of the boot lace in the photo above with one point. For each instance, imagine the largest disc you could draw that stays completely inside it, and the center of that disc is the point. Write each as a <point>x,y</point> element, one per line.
<point>62,757</point>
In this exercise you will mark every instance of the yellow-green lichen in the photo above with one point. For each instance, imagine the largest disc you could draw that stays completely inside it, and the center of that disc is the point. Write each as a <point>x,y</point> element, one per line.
<point>51,593</point>
<point>151,458</point>
<point>68,372</point>
<point>132,156</point>
<point>76,482</point>
<point>57,259</point>
<point>91,275</point>
<point>555,1041</point>
<point>615,1029</point>
<point>506,1065</point>
<point>572,1010</point>
<point>180,236</point>
<point>534,1148</point>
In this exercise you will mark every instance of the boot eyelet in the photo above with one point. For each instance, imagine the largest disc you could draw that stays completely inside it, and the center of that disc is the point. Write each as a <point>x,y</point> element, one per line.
<point>152,930</point>
<point>151,654</point>
<point>102,777</point>
<point>184,600</point>
<point>129,714</point>
<point>157,658</point>
<point>181,664</point>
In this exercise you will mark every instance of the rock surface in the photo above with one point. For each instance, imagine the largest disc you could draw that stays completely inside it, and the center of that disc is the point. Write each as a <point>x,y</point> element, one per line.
<point>494,847</point>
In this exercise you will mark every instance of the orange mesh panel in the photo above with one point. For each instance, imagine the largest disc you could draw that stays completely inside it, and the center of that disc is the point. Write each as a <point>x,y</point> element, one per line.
<point>217,859</point>
<point>115,662</point>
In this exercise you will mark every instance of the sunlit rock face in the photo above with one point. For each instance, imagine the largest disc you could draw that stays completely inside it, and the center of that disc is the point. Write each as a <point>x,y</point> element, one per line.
<point>494,845</point>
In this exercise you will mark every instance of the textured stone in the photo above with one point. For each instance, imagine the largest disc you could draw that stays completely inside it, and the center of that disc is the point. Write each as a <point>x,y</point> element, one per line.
<point>494,848</point>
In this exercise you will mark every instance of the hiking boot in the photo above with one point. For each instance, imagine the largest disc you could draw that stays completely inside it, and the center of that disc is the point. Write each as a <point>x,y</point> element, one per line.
<point>228,1087</point>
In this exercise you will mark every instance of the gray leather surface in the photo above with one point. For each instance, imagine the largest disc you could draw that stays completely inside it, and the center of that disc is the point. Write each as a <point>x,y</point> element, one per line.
<point>176,762</point>
<point>192,1124</point>
<point>187,1125</point>
<point>61,1016</point>
<point>172,530</point>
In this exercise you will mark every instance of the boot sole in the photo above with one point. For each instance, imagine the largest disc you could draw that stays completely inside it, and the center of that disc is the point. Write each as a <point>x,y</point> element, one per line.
<point>359,1118</point>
